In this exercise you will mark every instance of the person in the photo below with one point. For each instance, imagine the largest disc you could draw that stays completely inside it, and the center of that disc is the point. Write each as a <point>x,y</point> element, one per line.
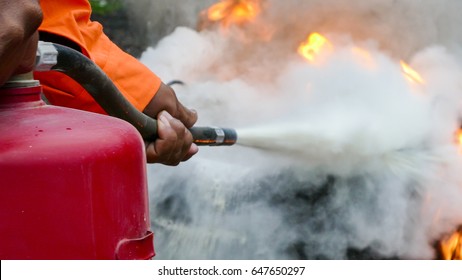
<point>18,36</point>
<point>68,22</point>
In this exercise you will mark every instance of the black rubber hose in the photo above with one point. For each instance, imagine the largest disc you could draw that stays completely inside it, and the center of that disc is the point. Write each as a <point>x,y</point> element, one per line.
<point>102,89</point>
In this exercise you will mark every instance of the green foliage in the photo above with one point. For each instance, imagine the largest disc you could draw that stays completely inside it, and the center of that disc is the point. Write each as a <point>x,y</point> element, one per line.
<point>103,7</point>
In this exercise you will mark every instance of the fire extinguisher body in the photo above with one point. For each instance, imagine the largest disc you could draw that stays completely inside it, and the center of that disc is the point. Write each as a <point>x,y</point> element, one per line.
<point>72,184</point>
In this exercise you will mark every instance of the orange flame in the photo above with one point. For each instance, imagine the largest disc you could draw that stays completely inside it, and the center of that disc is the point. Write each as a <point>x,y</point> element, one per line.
<point>451,247</point>
<point>229,12</point>
<point>459,139</point>
<point>314,46</point>
<point>411,74</point>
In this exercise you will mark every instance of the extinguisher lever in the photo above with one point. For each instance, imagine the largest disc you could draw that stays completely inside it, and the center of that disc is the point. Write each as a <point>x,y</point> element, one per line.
<point>47,56</point>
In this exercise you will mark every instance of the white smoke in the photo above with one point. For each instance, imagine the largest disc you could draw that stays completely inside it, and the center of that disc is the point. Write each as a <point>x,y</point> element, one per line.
<point>353,160</point>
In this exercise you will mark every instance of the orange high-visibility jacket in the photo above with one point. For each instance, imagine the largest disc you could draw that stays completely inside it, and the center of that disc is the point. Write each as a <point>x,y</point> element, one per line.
<point>71,20</point>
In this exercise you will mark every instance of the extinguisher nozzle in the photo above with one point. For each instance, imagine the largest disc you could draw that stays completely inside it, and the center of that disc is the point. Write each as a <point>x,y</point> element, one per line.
<point>214,136</point>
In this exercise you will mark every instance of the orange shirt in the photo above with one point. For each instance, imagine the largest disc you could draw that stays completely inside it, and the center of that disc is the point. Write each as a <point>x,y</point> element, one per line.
<point>71,19</point>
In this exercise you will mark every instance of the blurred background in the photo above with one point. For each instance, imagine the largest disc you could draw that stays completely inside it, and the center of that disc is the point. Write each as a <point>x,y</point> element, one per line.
<point>136,24</point>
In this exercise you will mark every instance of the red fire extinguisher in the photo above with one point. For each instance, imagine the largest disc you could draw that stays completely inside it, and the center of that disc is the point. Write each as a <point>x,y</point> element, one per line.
<point>72,183</point>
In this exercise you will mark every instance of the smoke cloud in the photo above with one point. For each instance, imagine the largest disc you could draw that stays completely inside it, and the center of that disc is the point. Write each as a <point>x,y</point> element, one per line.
<point>343,159</point>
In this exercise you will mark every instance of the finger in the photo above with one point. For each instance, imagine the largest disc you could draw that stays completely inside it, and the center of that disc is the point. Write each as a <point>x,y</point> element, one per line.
<point>187,143</point>
<point>165,100</point>
<point>184,141</point>
<point>160,151</point>
<point>187,116</point>
<point>167,129</point>
<point>193,149</point>
<point>184,149</point>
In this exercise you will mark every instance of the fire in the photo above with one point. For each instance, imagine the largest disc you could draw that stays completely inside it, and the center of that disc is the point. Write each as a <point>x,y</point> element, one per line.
<point>229,12</point>
<point>240,12</point>
<point>411,74</point>
<point>451,247</point>
<point>314,46</point>
<point>459,139</point>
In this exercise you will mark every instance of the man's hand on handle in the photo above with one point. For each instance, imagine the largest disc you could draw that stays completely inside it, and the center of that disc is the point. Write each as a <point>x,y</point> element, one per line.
<point>175,142</point>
